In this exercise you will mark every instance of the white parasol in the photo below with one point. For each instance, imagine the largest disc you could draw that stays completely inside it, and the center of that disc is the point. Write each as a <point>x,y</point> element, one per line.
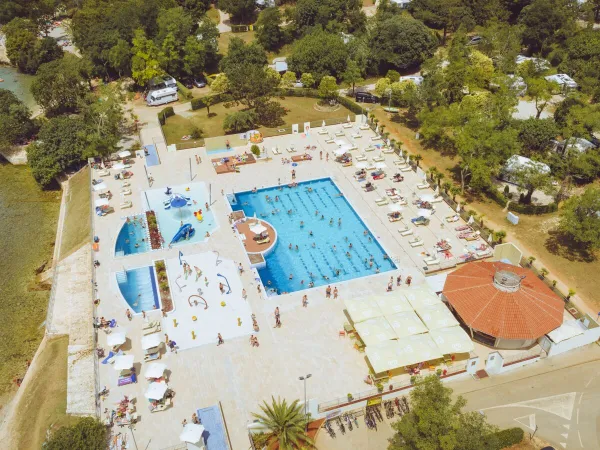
<point>156,391</point>
<point>100,186</point>
<point>471,220</point>
<point>380,165</point>
<point>323,124</point>
<point>258,228</point>
<point>192,433</point>
<point>340,152</point>
<point>155,370</point>
<point>116,338</point>
<point>123,362</point>
<point>124,154</point>
<point>424,212</point>
<point>151,341</point>
<point>377,129</point>
<point>101,202</point>
<point>427,197</point>
<point>118,166</point>
<point>361,165</point>
<point>349,118</point>
<point>395,208</point>
<point>458,208</point>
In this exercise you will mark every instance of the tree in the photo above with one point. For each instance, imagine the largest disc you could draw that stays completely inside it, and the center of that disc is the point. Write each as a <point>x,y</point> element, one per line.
<point>445,15</point>
<point>540,90</point>
<point>195,8</point>
<point>288,79</point>
<point>580,220</point>
<point>15,120</point>
<point>328,89</point>
<point>241,11</point>
<point>400,42</point>
<point>25,49</point>
<point>340,15</point>
<point>209,36</point>
<point>268,29</point>
<point>286,424</point>
<point>145,63</point>
<point>239,121</point>
<point>383,86</point>
<point>119,57</point>
<point>436,422</point>
<point>502,43</point>
<point>546,22</point>
<point>531,177</point>
<point>87,434</point>
<point>220,84</point>
<point>307,80</point>
<point>59,86</point>
<point>352,74</point>
<point>194,59</point>
<point>535,135</point>
<point>480,69</point>
<point>319,53</point>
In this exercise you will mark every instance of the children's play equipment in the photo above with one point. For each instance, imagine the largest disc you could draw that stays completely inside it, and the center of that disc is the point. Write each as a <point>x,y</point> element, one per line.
<point>256,137</point>
<point>186,231</point>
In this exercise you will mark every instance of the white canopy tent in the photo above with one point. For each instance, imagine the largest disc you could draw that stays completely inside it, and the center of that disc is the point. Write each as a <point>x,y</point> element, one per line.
<point>192,434</point>
<point>452,340</point>
<point>151,341</point>
<point>123,362</point>
<point>258,228</point>
<point>437,316</point>
<point>156,391</point>
<point>101,202</point>
<point>360,310</point>
<point>124,154</point>
<point>116,338</point>
<point>155,370</point>
<point>118,166</point>
<point>100,187</point>
<point>421,296</point>
<point>392,303</point>
<point>406,323</point>
<point>375,331</point>
<point>403,352</point>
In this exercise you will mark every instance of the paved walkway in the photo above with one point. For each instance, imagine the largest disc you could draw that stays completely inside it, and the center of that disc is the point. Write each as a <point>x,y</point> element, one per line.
<point>224,24</point>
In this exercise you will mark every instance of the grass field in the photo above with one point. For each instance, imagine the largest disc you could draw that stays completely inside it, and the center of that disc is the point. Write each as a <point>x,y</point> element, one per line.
<point>301,109</point>
<point>28,218</point>
<point>246,36</point>
<point>77,223</point>
<point>213,15</point>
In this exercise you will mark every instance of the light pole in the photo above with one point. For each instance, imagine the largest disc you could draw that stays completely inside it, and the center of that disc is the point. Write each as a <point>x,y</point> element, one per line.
<point>304,378</point>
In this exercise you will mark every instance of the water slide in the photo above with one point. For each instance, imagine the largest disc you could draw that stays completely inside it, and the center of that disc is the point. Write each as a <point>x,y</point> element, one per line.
<point>226,281</point>
<point>186,231</point>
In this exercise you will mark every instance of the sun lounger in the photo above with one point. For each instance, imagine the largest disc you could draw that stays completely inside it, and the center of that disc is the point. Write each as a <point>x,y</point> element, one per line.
<point>361,157</point>
<point>125,184</point>
<point>453,218</point>
<point>275,151</point>
<point>370,148</point>
<point>125,191</point>
<point>463,228</point>
<point>131,378</point>
<point>376,138</point>
<point>364,127</point>
<point>423,185</point>
<point>150,324</point>
<point>353,147</point>
<point>438,199</point>
<point>402,202</point>
<point>379,158</point>
<point>104,173</point>
<point>330,140</point>
<point>127,204</point>
<point>472,237</point>
<point>356,136</point>
<point>151,356</point>
<point>406,231</point>
<point>323,131</point>
<point>391,192</point>
<point>400,163</point>
<point>382,201</point>
<point>340,133</point>
<point>348,125</point>
<point>395,219</point>
<point>405,169</point>
<point>290,150</point>
<point>388,150</point>
<point>370,166</point>
<point>416,242</point>
<point>152,327</point>
<point>433,261</point>
<point>484,253</point>
<point>161,406</point>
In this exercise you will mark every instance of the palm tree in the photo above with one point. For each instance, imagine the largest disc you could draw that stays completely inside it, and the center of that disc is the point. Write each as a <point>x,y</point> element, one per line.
<point>418,158</point>
<point>439,177</point>
<point>499,236</point>
<point>446,185</point>
<point>432,171</point>
<point>455,190</point>
<point>286,424</point>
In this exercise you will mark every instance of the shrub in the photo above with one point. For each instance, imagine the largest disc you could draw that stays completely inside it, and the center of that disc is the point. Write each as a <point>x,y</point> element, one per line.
<point>239,121</point>
<point>88,433</point>
<point>165,113</point>
<point>199,103</point>
<point>185,92</point>
<point>196,132</point>
<point>255,149</point>
<point>510,436</point>
<point>164,286</point>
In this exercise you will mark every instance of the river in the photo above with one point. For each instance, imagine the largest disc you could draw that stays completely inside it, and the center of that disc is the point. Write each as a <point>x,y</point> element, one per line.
<point>18,83</point>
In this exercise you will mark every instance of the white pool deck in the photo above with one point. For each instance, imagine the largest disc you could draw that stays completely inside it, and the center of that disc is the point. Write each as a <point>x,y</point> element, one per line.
<point>236,374</point>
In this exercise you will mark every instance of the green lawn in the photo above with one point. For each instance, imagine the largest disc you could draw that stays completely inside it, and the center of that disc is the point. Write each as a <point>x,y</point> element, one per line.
<point>300,110</point>
<point>213,15</point>
<point>77,223</point>
<point>28,218</point>
<point>246,36</point>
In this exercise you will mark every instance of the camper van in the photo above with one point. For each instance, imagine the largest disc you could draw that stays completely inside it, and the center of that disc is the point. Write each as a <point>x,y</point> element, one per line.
<point>162,83</point>
<point>161,97</point>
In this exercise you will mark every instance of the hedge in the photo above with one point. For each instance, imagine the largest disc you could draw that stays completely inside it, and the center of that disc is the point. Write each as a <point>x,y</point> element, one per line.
<point>165,113</point>
<point>520,208</point>
<point>509,437</point>
<point>185,92</point>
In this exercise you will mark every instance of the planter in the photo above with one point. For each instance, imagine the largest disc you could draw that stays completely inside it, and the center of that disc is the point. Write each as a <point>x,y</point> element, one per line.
<point>155,236</point>
<point>163,286</point>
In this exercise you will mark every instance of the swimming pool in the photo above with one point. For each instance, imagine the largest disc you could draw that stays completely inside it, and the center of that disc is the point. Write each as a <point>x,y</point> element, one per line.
<point>170,219</point>
<point>340,248</point>
<point>133,237</point>
<point>138,287</point>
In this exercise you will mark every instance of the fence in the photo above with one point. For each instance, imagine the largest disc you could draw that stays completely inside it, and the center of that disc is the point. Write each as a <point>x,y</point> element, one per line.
<point>536,352</point>
<point>270,132</point>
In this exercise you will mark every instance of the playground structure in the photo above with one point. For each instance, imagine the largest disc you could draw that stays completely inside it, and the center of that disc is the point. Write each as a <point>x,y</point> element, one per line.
<point>196,302</point>
<point>226,281</point>
<point>256,137</point>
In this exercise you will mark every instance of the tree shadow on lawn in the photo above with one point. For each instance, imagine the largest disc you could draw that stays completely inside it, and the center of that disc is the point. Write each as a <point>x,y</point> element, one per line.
<point>562,245</point>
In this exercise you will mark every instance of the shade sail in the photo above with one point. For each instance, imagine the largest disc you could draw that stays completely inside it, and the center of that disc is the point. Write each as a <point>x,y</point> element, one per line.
<point>421,296</point>
<point>151,341</point>
<point>393,303</point>
<point>258,228</point>
<point>406,323</point>
<point>123,362</point>
<point>403,352</point>
<point>452,340</point>
<point>155,370</point>
<point>437,316</point>
<point>360,310</point>
<point>191,433</point>
<point>156,391</point>
<point>375,331</point>
<point>116,338</point>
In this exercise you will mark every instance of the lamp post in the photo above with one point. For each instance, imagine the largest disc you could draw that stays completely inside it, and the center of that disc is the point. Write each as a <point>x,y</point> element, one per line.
<point>304,378</point>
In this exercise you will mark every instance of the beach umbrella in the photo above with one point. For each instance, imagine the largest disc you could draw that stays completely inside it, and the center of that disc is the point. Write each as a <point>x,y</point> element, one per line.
<point>427,197</point>
<point>471,220</point>
<point>151,341</point>
<point>123,362</point>
<point>400,153</point>
<point>436,190</point>
<point>424,212</point>
<point>258,228</point>
<point>100,187</point>
<point>380,165</point>
<point>118,166</point>
<point>101,202</point>
<point>155,370</point>
<point>156,391</point>
<point>116,338</point>
<point>361,165</point>
<point>323,124</point>
<point>377,129</point>
<point>458,208</point>
<point>192,433</point>
<point>395,208</point>
<point>349,118</point>
<point>340,152</point>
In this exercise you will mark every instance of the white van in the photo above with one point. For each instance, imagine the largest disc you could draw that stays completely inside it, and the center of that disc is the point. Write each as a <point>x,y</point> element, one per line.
<point>162,96</point>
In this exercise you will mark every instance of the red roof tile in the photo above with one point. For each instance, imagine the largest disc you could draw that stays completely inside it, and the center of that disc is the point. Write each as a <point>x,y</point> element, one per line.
<point>527,313</point>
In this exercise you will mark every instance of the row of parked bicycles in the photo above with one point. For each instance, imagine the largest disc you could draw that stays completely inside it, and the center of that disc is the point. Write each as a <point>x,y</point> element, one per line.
<point>372,415</point>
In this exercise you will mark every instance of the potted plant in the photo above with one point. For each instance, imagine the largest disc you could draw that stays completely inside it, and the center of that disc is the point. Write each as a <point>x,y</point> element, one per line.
<point>530,260</point>
<point>570,294</point>
<point>255,149</point>
<point>413,379</point>
<point>379,387</point>
<point>350,397</point>
<point>543,273</point>
<point>439,373</point>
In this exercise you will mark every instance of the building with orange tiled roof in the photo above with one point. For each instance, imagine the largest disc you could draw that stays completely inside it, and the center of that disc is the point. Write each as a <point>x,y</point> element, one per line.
<point>504,306</point>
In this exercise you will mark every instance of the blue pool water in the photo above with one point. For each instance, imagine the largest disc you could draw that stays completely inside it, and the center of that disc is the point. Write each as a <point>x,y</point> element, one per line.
<point>132,232</point>
<point>138,287</point>
<point>214,431</point>
<point>152,156</point>
<point>322,259</point>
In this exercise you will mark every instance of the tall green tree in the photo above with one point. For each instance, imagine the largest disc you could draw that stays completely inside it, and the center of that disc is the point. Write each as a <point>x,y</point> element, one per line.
<point>268,29</point>
<point>145,62</point>
<point>328,89</point>
<point>15,120</point>
<point>319,53</point>
<point>338,15</point>
<point>579,218</point>
<point>532,177</point>
<point>547,22</point>
<point>535,135</point>
<point>286,424</point>
<point>352,74</point>
<point>442,15</point>
<point>86,434</point>
<point>241,11</point>
<point>540,90</point>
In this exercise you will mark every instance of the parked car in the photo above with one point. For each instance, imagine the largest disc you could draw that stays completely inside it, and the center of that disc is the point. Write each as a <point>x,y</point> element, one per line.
<point>200,82</point>
<point>366,97</point>
<point>475,40</point>
<point>421,220</point>
<point>298,84</point>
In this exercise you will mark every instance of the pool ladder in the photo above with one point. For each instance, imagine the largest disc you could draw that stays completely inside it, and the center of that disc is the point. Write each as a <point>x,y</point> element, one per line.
<point>121,277</point>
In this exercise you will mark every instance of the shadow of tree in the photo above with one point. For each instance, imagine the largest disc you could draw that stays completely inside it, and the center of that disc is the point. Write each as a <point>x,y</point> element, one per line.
<point>564,246</point>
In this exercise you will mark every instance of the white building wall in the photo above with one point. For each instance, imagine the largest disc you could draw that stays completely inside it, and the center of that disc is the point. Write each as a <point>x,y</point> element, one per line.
<point>589,336</point>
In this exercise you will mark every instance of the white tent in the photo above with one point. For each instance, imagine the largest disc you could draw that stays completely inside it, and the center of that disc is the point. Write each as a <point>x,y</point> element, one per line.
<point>116,338</point>
<point>124,154</point>
<point>156,391</point>
<point>392,303</point>
<point>380,165</point>
<point>340,152</point>
<point>123,362</point>
<point>452,340</point>
<point>118,166</point>
<point>191,433</point>
<point>421,296</point>
<point>406,323</point>
<point>360,310</point>
<point>151,341</point>
<point>403,352</point>
<point>375,331</point>
<point>436,316</point>
<point>101,202</point>
<point>100,187</point>
<point>155,370</point>
<point>568,330</point>
<point>258,228</point>
<point>394,207</point>
<point>361,165</point>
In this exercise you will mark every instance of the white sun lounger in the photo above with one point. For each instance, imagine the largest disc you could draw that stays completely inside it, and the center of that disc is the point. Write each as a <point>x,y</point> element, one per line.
<point>361,157</point>
<point>400,163</point>
<point>402,202</point>
<point>379,158</point>
<point>438,199</point>
<point>416,242</point>
<point>127,204</point>
<point>356,136</point>
<point>406,232</point>
<point>126,191</point>
<point>376,138</point>
<point>370,148</point>
<point>340,133</point>
<point>434,261</point>
<point>290,150</point>
<point>424,185</point>
<point>330,140</point>
<point>125,184</point>
<point>275,151</point>
<point>104,173</point>
<point>353,147</point>
<point>370,166</point>
<point>364,127</point>
<point>348,125</point>
<point>405,169</point>
<point>484,253</point>
<point>323,131</point>
<point>388,150</point>
<point>382,201</point>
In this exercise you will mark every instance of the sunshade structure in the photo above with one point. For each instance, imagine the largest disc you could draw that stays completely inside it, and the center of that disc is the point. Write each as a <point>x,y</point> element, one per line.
<point>452,340</point>
<point>151,341</point>
<point>155,370</point>
<point>360,310</point>
<point>192,433</point>
<point>504,305</point>
<point>375,331</point>
<point>341,151</point>
<point>124,154</point>
<point>392,303</point>
<point>406,323</point>
<point>116,338</point>
<point>380,165</point>
<point>437,316</point>
<point>420,297</point>
<point>101,202</point>
<point>403,352</point>
<point>123,362</point>
<point>258,228</point>
<point>156,391</point>
<point>118,166</point>
<point>100,187</point>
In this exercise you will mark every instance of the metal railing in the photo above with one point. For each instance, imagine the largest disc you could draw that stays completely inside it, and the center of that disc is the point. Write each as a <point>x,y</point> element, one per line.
<point>536,352</point>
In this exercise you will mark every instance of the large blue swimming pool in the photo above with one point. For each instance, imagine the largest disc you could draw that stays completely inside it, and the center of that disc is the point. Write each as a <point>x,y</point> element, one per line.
<point>340,247</point>
<point>132,238</point>
<point>138,287</point>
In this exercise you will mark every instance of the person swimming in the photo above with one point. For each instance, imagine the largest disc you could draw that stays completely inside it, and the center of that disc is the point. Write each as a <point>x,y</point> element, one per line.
<point>310,233</point>
<point>301,224</point>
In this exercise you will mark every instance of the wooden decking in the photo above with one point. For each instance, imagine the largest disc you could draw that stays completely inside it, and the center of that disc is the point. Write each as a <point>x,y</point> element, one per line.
<point>250,244</point>
<point>229,164</point>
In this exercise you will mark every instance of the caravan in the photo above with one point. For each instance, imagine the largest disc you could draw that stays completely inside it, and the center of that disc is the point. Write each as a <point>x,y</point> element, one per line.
<point>161,97</point>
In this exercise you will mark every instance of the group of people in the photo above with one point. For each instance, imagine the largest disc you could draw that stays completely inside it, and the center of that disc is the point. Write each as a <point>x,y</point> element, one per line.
<point>328,292</point>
